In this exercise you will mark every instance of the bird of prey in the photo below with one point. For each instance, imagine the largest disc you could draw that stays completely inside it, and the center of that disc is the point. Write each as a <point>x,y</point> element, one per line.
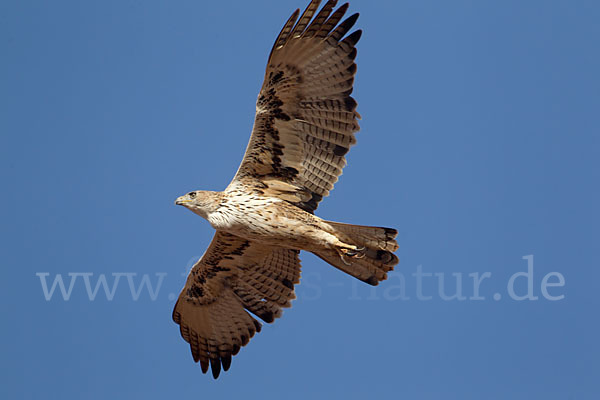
<point>304,125</point>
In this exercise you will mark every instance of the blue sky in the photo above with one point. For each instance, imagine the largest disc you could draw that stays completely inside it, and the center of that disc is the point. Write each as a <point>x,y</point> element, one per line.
<point>479,142</point>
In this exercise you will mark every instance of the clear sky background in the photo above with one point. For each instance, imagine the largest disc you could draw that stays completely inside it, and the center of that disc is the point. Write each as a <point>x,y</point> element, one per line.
<point>479,142</point>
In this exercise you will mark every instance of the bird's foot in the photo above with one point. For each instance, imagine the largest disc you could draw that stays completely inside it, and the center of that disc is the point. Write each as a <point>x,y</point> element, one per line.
<point>351,252</point>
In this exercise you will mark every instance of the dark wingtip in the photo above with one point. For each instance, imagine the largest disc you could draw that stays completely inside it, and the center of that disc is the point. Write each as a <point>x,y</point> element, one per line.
<point>226,362</point>
<point>350,21</point>
<point>204,365</point>
<point>354,37</point>
<point>344,7</point>
<point>215,366</point>
<point>257,325</point>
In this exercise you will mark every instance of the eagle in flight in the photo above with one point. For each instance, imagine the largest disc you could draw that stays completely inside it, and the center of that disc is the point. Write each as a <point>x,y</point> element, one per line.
<point>304,125</point>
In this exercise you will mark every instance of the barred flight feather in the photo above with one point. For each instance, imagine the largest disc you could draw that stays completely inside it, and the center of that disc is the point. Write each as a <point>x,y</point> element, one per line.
<point>306,99</point>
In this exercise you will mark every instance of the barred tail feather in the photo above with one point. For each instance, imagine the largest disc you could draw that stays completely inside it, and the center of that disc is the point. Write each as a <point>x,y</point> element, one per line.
<point>376,259</point>
<point>374,237</point>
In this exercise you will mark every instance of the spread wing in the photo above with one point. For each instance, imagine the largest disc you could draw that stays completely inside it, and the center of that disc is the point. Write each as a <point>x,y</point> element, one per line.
<point>234,275</point>
<point>305,117</point>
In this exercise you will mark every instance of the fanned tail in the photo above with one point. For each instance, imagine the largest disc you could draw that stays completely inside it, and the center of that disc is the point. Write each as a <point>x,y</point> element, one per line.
<point>374,258</point>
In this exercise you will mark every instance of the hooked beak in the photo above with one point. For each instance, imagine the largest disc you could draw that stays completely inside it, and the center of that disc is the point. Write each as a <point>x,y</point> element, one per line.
<point>181,201</point>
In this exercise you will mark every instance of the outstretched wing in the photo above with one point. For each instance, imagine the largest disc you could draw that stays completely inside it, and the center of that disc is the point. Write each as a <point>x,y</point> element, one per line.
<point>305,117</point>
<point>234,275</point>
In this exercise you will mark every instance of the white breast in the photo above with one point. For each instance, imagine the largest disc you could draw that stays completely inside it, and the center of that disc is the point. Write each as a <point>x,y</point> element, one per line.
<point>240,213</point>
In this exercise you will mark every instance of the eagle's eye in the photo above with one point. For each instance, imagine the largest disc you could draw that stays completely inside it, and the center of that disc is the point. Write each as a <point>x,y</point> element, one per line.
<point>192,195</point>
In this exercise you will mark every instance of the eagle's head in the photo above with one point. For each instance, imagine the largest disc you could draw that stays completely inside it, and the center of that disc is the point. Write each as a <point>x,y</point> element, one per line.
<point>201,202</point>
